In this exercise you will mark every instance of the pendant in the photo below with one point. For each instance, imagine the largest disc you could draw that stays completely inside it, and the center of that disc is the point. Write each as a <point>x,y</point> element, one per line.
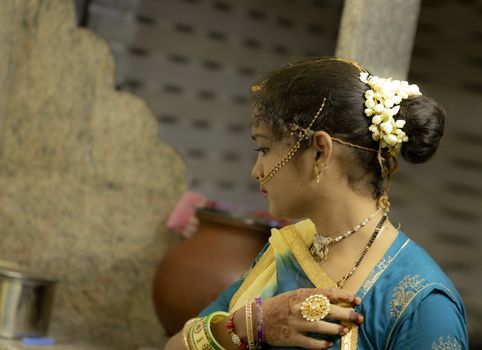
<point>320,247</point>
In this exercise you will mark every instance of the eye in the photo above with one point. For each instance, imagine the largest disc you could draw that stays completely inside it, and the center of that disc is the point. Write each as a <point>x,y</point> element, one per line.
<point>262,150</point>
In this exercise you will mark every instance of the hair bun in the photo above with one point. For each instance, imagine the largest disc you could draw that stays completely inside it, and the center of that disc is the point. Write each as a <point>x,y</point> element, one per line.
<point>425,120</point>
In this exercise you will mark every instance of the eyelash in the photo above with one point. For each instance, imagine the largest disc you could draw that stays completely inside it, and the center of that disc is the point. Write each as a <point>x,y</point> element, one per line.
<point>263,150</point>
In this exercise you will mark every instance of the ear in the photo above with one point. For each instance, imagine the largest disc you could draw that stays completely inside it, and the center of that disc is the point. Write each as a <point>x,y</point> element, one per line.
<point>323,146</point>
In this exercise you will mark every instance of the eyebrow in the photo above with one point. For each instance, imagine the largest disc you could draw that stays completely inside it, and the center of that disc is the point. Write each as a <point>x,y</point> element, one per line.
<point>255,136</point>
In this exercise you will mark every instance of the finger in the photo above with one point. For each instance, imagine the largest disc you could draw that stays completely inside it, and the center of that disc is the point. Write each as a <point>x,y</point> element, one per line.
<point>322,327</point>
<point>345,314</point>
<point>334,295</point>
<point>337,296</point>
<point>188,231</point>
<point>311,343</point>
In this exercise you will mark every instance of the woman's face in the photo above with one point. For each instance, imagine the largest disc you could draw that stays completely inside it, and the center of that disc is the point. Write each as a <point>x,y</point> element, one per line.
<point>286,192</point>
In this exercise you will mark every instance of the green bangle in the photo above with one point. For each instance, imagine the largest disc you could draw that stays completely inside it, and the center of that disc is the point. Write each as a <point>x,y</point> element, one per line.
<point>214,318</point>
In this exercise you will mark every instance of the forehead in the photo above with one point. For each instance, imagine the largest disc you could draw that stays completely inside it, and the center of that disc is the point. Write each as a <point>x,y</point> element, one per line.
<point>259,128</point>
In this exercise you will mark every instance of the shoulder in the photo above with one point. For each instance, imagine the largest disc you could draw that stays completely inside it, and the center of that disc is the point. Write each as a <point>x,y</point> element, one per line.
<point>435,323</point>
<point>415,274</point>
<point>417,270</point>
<point>407,268</point>
<point>224,299</point>
<point>407,282</point>
<point>421,293</point>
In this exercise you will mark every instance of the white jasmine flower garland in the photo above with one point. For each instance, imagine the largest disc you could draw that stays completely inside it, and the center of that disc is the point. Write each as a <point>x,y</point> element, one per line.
<point>382,104</point>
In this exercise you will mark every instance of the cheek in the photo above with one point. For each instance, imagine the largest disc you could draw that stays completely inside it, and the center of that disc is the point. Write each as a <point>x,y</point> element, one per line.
<point>286,196</point>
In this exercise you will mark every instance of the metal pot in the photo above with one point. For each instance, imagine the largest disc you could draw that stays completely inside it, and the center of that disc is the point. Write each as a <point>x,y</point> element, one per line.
<point>25,304</point>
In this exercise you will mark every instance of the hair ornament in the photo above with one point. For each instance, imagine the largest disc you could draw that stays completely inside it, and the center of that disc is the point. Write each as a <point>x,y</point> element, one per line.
<point>301,132</point>
<point>382,102</point>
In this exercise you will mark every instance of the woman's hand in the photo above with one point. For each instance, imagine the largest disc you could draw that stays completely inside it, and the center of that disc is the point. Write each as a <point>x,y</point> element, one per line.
<point>285,326</point>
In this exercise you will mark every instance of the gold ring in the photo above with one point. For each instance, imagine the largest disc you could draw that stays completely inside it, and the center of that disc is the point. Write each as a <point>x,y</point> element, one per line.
<point>315,308</point>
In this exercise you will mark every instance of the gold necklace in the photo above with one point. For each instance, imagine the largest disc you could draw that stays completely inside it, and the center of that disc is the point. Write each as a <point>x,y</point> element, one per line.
<point>321,243</point>
<point>357,263</point>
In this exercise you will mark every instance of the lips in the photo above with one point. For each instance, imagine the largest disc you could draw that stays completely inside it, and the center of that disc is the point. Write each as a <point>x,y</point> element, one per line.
<point>264,192</point>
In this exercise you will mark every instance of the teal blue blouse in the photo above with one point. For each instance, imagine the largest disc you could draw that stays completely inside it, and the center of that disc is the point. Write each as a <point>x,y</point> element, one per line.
<point>407,301</point>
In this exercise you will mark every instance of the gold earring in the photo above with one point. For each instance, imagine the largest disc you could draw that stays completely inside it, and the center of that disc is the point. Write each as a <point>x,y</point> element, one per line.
<point>317,173</point>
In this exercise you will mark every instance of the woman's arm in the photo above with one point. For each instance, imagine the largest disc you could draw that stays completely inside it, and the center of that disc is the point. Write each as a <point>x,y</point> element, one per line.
<point>283,324</point>
<point>175,342</point>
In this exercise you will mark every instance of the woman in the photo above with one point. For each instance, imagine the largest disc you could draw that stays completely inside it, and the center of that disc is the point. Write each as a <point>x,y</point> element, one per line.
<point>328,137</point>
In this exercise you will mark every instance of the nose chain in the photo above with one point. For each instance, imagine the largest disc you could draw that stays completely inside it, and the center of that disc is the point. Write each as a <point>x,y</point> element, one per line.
<point>281,163</point>
<point>304,134</point>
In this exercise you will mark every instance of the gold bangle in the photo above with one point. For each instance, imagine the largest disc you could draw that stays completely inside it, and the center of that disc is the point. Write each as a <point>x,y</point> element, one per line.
<point>198,336</point>
<point>186,332</point>
<point>249,326</point>
<point>190,339</point>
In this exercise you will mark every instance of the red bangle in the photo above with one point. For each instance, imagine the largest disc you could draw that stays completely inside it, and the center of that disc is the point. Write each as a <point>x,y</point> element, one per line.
<point>234,337</point>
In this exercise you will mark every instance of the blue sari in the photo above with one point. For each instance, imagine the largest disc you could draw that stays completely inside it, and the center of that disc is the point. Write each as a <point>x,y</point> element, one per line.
<point>407,300</point>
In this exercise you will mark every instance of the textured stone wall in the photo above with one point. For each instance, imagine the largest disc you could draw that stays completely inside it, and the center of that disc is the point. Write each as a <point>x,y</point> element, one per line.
<point>85,183</point>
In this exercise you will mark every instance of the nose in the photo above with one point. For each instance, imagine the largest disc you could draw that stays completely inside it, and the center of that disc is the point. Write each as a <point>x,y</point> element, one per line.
<point>256,171</point>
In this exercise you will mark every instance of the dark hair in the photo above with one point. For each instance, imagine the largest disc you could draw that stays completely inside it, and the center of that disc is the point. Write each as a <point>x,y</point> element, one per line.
<point>294,93</point>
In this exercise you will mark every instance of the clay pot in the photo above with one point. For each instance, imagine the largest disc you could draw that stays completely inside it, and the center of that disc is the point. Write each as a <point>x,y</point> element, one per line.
<point>193,273</point>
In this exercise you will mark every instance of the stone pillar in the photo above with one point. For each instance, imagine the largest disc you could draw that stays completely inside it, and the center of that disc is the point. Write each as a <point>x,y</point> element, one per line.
<point>379,34</point>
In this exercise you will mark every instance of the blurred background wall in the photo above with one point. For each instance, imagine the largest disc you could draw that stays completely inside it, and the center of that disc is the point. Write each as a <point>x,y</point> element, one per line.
<point>193,61</point>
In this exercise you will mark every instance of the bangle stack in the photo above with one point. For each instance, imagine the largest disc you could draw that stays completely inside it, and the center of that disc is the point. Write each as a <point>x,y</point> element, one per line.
<point>197,334</point>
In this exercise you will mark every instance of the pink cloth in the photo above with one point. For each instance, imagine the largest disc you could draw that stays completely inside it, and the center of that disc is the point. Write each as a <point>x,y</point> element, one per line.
<point>182,219</point>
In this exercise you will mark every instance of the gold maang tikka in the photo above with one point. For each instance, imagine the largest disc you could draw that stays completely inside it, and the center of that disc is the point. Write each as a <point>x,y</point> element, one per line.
<point>303,133</point>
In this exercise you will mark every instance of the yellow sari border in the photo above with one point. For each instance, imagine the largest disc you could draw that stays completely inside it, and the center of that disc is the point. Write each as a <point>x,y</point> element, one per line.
<point>265,269</point>
<point>316,274</point>
<point>302,254</point>
<point>263,263</point>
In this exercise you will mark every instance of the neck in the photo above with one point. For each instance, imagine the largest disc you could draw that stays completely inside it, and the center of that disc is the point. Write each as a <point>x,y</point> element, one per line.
<point>338,217</point>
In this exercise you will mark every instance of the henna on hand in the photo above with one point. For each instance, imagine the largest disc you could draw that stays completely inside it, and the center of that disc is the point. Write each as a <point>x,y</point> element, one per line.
<point>285,326</point>
<point>276,323</point>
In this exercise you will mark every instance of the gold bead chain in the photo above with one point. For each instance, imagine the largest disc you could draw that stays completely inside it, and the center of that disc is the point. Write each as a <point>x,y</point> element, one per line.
<point>303,134</point>
<point>321,244</point>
